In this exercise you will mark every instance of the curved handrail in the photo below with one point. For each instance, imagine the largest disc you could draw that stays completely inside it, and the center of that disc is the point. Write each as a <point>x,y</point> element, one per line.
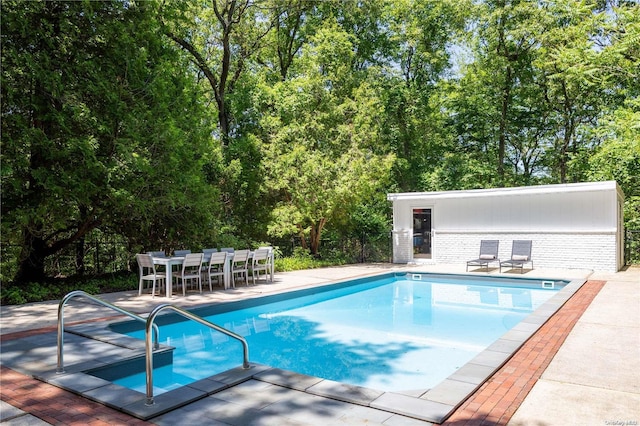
<point>77,293</point>
<point>150,322</point>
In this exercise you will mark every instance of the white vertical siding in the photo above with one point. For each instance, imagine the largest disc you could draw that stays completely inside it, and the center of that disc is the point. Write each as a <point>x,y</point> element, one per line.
<point>584,211</point>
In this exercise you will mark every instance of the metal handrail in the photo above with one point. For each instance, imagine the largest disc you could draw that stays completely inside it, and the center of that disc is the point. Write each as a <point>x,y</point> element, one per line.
<point>63,302</point>
<point>189,315</point>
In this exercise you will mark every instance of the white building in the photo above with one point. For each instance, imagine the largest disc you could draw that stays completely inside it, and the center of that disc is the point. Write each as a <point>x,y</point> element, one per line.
<point>576,225</point>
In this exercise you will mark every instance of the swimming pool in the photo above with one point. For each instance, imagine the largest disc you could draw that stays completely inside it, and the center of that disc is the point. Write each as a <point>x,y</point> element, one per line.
<point>394,332</point>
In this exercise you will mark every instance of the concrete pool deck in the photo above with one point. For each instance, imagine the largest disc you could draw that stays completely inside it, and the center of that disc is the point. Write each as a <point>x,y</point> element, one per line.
<point>593,379</point>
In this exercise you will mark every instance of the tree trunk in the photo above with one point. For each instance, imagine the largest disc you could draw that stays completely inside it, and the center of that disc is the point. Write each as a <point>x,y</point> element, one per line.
<point>314,238</point>
<point>34,248</point>
<point>502,137</point>
<point>303,240</point>
<point>223,122</point>
<point>31,263</point>
<point>80,245</point>
<point>80,265</point>
<point>569,127</point>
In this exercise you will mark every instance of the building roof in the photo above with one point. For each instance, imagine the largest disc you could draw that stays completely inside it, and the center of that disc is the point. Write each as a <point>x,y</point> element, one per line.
<point>501,192</point>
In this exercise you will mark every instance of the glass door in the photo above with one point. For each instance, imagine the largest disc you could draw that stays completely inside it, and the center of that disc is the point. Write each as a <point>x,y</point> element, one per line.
<point>422,233</point>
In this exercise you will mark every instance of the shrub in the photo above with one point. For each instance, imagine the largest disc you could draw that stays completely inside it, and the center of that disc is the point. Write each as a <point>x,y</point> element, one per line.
<point>302,259</point>
<point>57,289</point>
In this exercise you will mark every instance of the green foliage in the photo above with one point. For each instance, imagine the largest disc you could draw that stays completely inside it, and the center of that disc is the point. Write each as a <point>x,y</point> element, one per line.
<point>57,289</point>
<point>32,292</point>
<point>371,219</point>
<point>318,158</point>
<point>102,127</point>
<point>220,123</point>
<point>618,158</point>
<point>458,172</point>
<point>409,85</point>
<point>302,259</point>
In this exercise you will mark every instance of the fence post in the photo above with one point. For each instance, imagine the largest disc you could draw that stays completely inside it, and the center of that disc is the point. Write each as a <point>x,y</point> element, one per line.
<point>97,255</point>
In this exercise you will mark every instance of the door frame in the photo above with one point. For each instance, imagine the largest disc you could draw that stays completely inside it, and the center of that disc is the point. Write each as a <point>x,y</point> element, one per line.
<point>420,257</point>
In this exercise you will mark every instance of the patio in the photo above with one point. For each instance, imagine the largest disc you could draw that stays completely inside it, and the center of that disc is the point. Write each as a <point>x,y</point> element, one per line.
<point>551,388</point>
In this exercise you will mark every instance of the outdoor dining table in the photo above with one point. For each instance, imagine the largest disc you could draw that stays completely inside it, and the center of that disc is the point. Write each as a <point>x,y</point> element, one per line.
<point>170,262</point>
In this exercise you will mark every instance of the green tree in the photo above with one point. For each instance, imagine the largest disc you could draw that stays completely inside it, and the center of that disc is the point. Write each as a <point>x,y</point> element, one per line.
<point>567,61</point>
<point>617,156</point>
<point>320,151</point>
<point>496,106</point>
<point>293,22</point>
<point>222,37</point>
<point>225,40</point>
<point>100,129</point>
<point>418,60</point>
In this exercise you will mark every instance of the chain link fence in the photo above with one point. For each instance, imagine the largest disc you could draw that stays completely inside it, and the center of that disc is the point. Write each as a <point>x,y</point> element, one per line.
<point>632,247</point>
<point>96,254</point>
<point>362,249</point>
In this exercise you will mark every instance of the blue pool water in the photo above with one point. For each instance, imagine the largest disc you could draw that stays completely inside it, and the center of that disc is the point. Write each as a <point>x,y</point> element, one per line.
<point>394,333</point>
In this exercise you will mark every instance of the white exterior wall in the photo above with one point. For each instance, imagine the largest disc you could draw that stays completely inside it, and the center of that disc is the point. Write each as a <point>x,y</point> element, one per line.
<point>571,226</point>
<point>549,250</point>
<point>402,246</point>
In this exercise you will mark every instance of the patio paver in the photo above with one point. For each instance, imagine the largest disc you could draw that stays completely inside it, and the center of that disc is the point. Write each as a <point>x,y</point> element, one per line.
<point>495,402</point>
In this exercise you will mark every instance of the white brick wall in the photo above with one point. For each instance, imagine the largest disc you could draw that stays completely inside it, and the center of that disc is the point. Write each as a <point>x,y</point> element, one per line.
<point>595,251</point>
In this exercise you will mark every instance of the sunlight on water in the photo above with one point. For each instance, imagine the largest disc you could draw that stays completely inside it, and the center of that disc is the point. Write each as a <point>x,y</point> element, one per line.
<point>393,334</point>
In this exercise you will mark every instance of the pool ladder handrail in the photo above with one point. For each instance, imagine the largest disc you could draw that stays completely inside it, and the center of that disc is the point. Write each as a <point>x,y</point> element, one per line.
<point>78,293</point>
<point>191,316</point>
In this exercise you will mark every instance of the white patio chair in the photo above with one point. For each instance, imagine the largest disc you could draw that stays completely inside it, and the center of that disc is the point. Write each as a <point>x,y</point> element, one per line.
<point>148,273</point>
<point>190,271</point>
<point>260,263</point>
<point>240,266</point>
<point>205,262</point>
<point>269,259</point>
<point>216,268</point>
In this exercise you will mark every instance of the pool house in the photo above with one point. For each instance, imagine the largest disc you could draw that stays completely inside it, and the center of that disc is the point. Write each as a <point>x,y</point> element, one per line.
<point>578,225</point>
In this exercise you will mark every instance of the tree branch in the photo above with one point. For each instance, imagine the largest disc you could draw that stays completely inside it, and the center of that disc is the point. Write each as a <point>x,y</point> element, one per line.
<point>199,61</point>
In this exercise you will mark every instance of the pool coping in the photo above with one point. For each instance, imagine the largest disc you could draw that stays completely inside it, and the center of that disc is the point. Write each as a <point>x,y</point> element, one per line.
<point>433,405</point>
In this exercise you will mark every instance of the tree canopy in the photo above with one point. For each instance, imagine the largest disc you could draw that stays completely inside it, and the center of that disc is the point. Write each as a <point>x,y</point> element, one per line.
<point>194,123</point>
